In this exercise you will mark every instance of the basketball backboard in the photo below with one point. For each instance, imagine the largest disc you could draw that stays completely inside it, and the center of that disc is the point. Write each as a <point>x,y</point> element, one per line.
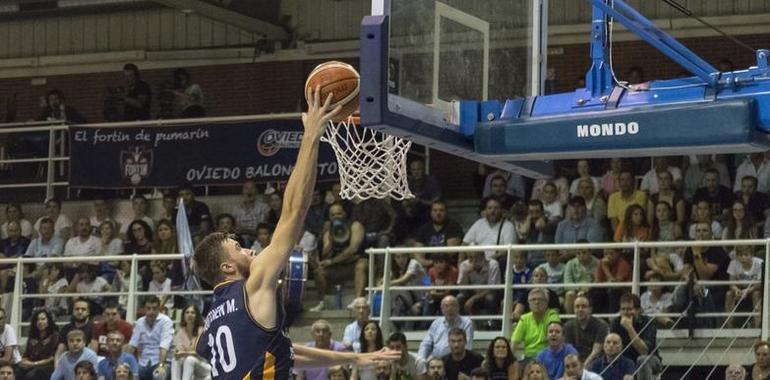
<point>418,57</point>
<point>439,52</point>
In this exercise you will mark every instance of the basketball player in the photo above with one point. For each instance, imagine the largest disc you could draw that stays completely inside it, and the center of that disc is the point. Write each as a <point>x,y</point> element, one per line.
<point>244,336</point>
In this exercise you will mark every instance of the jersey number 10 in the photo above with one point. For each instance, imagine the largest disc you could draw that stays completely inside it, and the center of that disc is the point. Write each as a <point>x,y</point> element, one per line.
<point>226,357</point>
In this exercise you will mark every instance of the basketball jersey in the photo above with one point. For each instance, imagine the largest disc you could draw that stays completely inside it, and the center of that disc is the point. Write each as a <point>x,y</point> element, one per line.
<point>236,346</point>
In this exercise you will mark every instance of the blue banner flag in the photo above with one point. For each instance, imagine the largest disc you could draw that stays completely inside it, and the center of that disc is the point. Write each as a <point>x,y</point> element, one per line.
<point>185,244</point>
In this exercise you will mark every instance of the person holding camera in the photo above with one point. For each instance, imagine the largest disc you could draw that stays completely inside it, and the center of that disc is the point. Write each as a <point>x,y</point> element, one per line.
<point>342,248</point>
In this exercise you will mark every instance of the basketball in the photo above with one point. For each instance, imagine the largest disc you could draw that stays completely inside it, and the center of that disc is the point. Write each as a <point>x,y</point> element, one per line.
<point>340,79</point>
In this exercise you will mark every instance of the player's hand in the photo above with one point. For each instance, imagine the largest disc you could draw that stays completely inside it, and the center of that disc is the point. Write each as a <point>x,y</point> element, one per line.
<point>318,115</point>
<point>371,358</point>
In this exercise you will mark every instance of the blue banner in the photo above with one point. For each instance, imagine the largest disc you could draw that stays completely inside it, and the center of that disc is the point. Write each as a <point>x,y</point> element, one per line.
<point>167,156</point>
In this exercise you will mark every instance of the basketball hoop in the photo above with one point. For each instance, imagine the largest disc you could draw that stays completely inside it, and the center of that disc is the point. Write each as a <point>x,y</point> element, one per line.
<point>372,164</point>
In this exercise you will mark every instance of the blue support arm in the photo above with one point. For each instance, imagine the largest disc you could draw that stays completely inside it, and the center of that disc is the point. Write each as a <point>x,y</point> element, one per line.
<point>653,35</point>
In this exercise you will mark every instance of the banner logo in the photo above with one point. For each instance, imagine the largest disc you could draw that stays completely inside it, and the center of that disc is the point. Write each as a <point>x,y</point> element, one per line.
<point>136,164</point>
<point>272,141</point>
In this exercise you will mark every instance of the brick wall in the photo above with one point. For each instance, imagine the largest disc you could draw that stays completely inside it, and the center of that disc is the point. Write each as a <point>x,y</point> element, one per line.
<point>576,58</point>
<point>272,87</point>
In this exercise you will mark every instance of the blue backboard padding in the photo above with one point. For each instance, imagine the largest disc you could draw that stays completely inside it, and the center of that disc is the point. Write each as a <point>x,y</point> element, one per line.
<point>688,125</point>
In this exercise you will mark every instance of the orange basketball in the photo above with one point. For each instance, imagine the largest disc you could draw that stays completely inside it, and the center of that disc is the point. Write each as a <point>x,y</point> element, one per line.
<point>340,79</point>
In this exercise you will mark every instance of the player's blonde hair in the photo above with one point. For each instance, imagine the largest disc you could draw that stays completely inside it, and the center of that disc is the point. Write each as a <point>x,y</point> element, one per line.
<point>209,254</point>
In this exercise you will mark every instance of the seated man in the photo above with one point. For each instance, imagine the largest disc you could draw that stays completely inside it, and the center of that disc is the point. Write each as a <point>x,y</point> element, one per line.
<point>636,330</point>
<point>111,322</point>
<point>578,226</point>
<point>46,244</point>
<point>492,229</point>
<point>436,341</point>
<point>436,369</point>
<point>440,231</point>
<point>77,352</point>
<point>342,249</point>
<point>479,270</point>
<point>151,340</point>
<point>460,361</point>
<point>553,356</point>
<point>322,339</point>
<point>115,356</point>
<point>585,332</point>
<point>409,366</point>
<point>610,364</point>
<point>352,334</point>
<point>531,331</point>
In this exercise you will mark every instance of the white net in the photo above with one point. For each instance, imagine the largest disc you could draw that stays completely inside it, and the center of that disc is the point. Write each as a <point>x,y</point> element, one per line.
<point>372,164</point>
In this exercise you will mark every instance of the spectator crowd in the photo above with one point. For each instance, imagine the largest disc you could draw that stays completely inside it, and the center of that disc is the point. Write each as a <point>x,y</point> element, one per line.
<point>699,198</point>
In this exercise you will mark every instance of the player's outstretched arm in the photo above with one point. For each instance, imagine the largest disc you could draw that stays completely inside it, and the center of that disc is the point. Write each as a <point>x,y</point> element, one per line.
<point>310,357</point>
<point>266,267</point>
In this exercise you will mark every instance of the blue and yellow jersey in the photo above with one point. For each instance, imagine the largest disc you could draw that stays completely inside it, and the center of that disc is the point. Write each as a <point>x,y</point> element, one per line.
<point>239,348</point>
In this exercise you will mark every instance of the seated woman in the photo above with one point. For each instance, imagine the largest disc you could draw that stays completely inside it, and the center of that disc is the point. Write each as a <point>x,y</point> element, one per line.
<point>187,365</point>
<point>38,359</point>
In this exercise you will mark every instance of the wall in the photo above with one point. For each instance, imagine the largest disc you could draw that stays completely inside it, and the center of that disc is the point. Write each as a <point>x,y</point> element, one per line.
<point>151,29</point>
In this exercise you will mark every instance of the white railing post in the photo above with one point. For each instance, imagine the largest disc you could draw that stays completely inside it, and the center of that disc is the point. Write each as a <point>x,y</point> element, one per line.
<point>766,294</point>
<point>370,292</point>
<point>385,299</point>
<point>635,276</point>
<point>50,167</point>
<point>507,293</point>
<point>16,298</point>
<point>131,304</point>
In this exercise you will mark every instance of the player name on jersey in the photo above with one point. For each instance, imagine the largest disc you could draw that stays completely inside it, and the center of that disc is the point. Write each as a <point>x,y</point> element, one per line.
<point>225,308</point>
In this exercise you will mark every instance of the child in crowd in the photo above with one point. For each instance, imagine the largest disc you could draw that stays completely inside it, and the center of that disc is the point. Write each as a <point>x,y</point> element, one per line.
<point>554,269</point>
<point>406,271</point>
<point>745,267</point>
<point>441,273</point>
<point>554,210</point>
<point>656,301</point>
<point>665,262</point>
<point>161,284</point>
<point>53,282</point>
<point>634,226</point>
<point>522,274</point>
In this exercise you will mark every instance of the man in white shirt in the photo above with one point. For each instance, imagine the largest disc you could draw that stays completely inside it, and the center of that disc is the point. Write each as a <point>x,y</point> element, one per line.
<point>151,340</point>
<point>9,345</point>
<point>62,224</point>
<point>352,334</point>
<point>755,165</point>
<point>492,229</point>
<point>83,244</point>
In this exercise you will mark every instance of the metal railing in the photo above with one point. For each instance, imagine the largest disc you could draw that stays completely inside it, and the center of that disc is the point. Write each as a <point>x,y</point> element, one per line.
<point>635,284</point>
<point>56,132</point>
<point>132,292</point>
